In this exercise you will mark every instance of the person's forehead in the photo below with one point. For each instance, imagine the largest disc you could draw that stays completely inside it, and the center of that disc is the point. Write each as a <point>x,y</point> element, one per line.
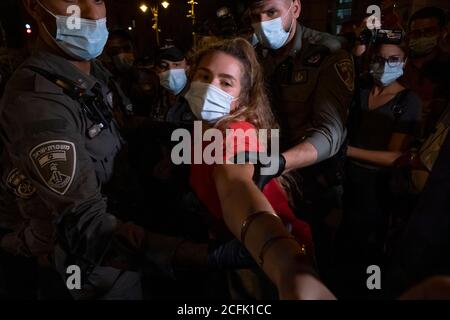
<point>424,23</point>
<point>221,62</point>
<point>265,5</point>
<point>388,50</point>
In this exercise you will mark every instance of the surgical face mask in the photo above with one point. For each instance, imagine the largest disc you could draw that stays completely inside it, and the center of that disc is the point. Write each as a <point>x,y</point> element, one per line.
<point>123,61</point>
<point>83,43</point>
<point>254,40</point>
<point>271,33</point>
<point>385,74</point>
<point>173,80</point>
<point>423,46</point>
<point>208,102</point>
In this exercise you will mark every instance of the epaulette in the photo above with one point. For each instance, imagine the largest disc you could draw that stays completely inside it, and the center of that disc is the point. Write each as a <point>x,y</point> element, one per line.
<point>314,54</point>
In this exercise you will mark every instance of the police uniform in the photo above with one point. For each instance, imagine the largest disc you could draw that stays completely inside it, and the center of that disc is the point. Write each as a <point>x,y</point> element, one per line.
<point>171,107</point>
<point>58,154</point>
<point>180,113</point>
<point>310,91</point>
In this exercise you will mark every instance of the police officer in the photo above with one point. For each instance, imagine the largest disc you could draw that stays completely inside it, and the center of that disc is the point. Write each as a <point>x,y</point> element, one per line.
<point>172,67</point>
<point>311,83</point>
<point>138,83</point>
<point>60,148</point>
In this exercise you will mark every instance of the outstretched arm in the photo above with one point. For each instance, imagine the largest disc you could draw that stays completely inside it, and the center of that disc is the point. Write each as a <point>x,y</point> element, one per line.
<point>284,263</point>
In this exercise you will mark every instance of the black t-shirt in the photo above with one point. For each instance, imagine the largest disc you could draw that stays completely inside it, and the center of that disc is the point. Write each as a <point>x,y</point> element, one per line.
<point>374,128</point>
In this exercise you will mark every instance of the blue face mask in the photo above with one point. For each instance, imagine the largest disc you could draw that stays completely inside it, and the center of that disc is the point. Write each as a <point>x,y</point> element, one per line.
<point>271,33</point>
<point>173,80</point>
<point>385,74</point>
<point>83,43</point>
<point>208,102</point>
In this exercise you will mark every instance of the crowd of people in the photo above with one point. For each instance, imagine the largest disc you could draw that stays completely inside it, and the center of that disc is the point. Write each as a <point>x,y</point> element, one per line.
<point>361,178</point>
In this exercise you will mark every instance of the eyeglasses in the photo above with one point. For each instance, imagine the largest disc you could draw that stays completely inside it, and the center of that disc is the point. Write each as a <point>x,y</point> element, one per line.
<point>426,32</point>
<point>392,61</point>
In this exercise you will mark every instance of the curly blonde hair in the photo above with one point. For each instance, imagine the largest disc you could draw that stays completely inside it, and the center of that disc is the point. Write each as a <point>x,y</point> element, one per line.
<point>253,105</point>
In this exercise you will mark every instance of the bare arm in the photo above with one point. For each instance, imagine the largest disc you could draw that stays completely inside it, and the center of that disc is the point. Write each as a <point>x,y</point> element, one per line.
<point>385,158</point>
<point>300,156</point>
<point>379,158</point>
<point>283,263</point>
<point>326,130</point>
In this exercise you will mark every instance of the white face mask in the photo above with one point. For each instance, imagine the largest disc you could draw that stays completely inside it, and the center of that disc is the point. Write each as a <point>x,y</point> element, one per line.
<point>271,33</point>
<point>86,42</point>
<point>385,75</point>
<point>173,80</point>
<point>208,102</point>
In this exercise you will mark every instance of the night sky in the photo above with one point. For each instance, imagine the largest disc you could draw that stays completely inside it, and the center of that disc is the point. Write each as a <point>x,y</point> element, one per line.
<point>173,21</point>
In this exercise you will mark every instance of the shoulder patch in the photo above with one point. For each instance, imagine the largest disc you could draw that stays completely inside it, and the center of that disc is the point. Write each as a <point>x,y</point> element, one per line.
<point>20,184</point>
<point>55,162</point>
<point>314,55</point>
<point>344,69</point>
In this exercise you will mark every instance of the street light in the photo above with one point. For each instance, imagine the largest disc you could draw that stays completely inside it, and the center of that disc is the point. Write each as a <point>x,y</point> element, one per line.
<point>143,8</point>
<point>191,15</point>
<point>155,12</point>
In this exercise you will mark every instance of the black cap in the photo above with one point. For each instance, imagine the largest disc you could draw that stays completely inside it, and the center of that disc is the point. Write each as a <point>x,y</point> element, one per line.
<point>170,53</point>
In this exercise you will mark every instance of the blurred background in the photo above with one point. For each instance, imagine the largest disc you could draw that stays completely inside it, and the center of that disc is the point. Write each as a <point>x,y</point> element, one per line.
<point>175,19</point>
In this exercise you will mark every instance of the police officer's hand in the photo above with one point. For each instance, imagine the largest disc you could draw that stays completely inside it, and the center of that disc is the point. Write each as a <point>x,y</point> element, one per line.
<point>229,256</point>
<point>274,165</point>
<point>261,179</point>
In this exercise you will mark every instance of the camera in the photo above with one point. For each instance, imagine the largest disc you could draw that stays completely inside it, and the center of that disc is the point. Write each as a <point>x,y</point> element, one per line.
<point>381,36</point>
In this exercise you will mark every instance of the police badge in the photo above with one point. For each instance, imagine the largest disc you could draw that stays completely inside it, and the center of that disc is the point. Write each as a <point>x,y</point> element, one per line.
<point>55,162</point>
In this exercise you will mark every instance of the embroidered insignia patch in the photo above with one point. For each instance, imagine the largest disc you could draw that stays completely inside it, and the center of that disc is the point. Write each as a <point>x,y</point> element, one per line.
<point>55,162</point>
<point>344,69</point>
<point>20,184</point>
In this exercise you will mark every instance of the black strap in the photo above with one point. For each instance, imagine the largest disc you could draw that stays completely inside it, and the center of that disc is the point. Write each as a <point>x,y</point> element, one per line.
<point>69,87</point>
<point>91,101</point>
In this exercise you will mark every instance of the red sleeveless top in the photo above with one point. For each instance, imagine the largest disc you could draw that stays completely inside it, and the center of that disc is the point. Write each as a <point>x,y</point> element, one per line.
<point>202,182</point>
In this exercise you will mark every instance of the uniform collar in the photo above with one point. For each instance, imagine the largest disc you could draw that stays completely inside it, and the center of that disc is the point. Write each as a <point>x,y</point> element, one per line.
<point>297,41</point>
<point>63,67</point>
